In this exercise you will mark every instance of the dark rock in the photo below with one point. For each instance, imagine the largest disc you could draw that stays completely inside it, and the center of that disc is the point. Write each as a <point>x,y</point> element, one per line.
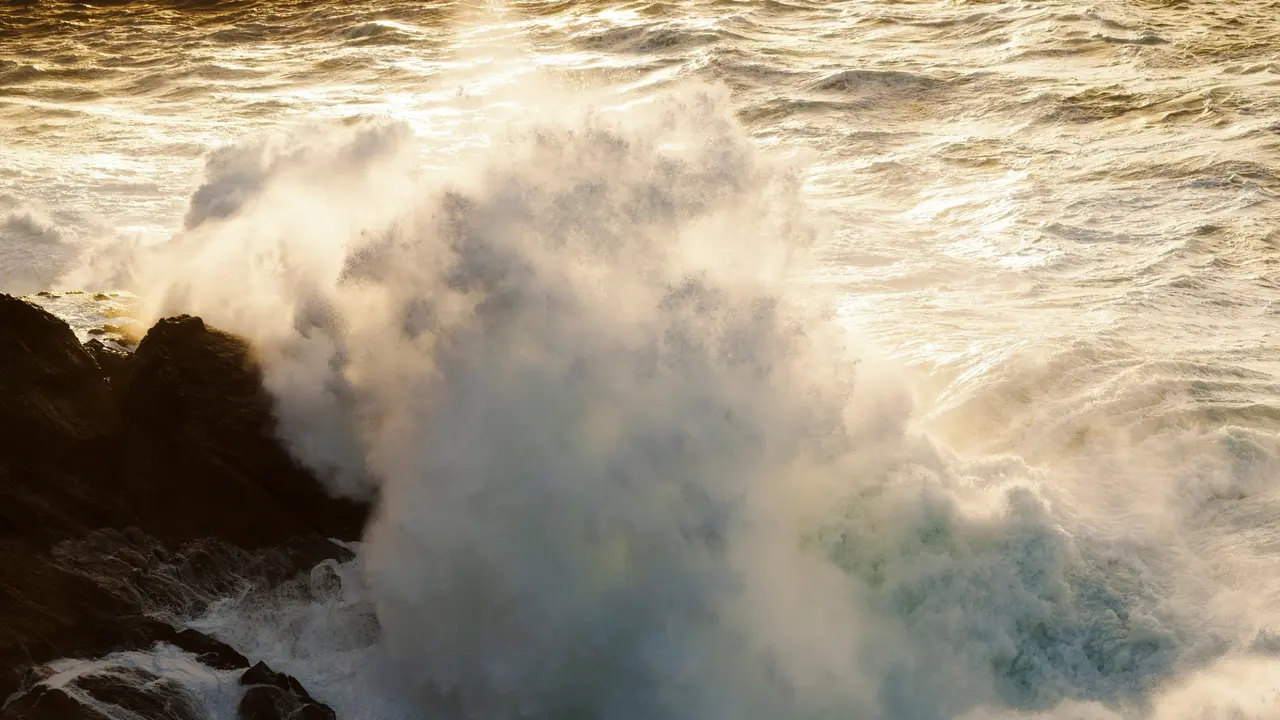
<point>45,703</point>
<point>34,676</point>
<point>57,423</point>
<point>163,487</point>
<point>135,691</point>
<point>313,711</point>
<point>135,536</point>
<point>142,693</point>
<point>189,404</point>
<point>194,408</point>
<point>270,703</point>
<point>276,696</point>
<point>261,674</point>
<point>187,579</point>
<point>48,611</point>
<point>133,559</point>
<point>112,363</point>
<point>57,420</point>
<point>213,653</point>
<point>261,703</point>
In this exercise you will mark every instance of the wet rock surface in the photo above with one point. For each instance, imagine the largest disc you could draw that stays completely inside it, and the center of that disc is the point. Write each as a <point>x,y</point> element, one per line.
<point>136,488</point>
<point>46,703</point>
<point>141,693</point>
<point>134,692</point>
<point>212,653</point>
<point>113,363</point>
<point>105,694</point>
<point>276,696</point>
<point>57,422</point>
<point>194,408</point>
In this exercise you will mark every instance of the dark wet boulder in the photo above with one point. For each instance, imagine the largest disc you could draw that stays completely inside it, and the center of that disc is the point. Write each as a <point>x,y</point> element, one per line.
<point>165,486</point>
<point>57,429</point>
<point>104,694</point>
<point>57,423</point>
<point>83,600</point>
<point>208,651</point>
<point>194,408</point>
<point>181,443</point>
<point>48,611</point>
<point>112,363</point>
<point>143,573</point>
<point>54,394</point>
<point>262,674</point>
<point>46,703</point>
<point>142,694</point>
<point>275,696</point>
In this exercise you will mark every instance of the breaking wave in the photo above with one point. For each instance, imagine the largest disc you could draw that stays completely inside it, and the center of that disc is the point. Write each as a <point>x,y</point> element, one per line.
<point>626,466</point>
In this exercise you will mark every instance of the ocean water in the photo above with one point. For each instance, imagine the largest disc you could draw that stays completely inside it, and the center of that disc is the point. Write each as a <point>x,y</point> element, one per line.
<point>711,359</point>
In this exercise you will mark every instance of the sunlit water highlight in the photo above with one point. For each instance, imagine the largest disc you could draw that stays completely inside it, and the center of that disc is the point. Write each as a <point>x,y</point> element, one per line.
<point>1048,229</point>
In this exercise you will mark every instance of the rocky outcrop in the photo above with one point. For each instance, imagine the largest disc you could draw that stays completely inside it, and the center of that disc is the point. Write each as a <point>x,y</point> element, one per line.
<point>57,422</point>
<point>276,696</point>
<point>193,407</point>
<point>48,703</point>
<point>113,363</point>
<point>141,693</point>
<point>210,652</point>
<point>133,482</point>
<point>103,692</point>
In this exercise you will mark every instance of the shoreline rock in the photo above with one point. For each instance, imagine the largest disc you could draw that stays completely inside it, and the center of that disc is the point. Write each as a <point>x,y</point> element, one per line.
<point>194,409</point>
<point>276,696</point>
<point>112,466</point>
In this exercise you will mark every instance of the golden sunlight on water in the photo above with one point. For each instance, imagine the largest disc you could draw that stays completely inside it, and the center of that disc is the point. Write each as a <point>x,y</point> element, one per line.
<point>1049,230</point>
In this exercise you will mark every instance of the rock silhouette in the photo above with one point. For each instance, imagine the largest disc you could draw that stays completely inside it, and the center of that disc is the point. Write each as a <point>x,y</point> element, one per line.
<point>130,481</point>
<point>276,696</point>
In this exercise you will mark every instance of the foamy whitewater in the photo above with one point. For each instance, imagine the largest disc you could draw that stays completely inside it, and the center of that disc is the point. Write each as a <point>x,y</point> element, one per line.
<point>713,360</point>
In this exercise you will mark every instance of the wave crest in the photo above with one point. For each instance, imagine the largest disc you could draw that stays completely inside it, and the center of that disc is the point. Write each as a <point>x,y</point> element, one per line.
<point>625,466</point>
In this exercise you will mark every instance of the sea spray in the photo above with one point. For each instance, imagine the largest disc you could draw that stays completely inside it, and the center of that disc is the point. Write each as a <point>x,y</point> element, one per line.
<point>625,467</point>
<point>575,378</point>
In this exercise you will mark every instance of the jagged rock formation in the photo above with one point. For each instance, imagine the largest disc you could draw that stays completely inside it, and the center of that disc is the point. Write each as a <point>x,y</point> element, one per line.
<point>276,696</point>
<point>87,698</point>
<point>134,482</point>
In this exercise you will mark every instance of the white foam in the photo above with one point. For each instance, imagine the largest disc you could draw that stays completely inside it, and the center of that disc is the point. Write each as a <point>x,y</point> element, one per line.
<point>217,692</point>
<point>626,466</point>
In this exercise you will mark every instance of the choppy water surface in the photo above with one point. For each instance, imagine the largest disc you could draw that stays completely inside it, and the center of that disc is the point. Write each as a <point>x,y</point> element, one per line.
<point>1059,222</point>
